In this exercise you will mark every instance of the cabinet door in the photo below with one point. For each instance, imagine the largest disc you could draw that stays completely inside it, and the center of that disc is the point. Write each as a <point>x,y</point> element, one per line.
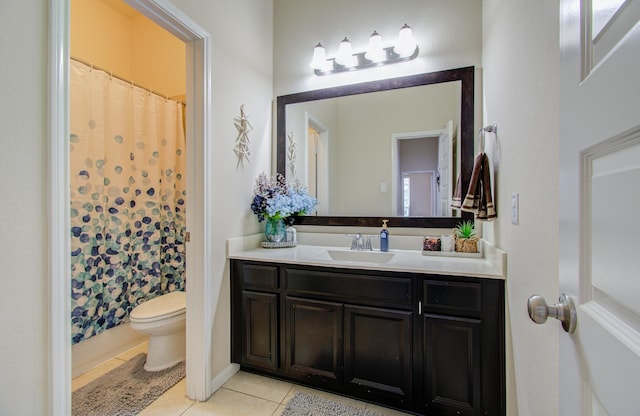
<point>452,365</point>
<point>378,351</point>
<point>313,340</point>
<point>259,329</point>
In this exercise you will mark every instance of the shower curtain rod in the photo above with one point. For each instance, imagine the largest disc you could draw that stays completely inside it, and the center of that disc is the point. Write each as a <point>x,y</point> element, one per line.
<point>126,80</point>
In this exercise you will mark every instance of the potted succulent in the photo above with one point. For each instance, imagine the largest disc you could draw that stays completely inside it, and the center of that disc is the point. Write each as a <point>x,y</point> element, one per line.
<point>466,239</point>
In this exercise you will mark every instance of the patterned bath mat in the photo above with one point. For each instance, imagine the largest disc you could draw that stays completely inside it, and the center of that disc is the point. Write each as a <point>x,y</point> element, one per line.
<point>125,390</point>
<point>306,405</point>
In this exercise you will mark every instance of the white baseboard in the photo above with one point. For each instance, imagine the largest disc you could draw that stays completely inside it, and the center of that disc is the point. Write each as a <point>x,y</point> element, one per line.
<point>224,376</point>
<point>102,347</point>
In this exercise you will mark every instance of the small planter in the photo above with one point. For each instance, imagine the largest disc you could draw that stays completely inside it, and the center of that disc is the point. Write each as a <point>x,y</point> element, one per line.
<point>467,245</point>
<point>466,240</point>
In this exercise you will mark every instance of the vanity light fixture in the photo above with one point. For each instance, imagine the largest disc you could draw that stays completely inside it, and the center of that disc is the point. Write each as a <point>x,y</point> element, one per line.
<point>376,54</point>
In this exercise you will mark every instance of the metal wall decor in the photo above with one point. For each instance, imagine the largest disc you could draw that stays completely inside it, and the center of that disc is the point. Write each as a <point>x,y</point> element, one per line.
<point>291,155</point>
<point>241,149</point>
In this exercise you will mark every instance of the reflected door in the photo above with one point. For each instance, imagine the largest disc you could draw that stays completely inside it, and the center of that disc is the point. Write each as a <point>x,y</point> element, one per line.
<point>317,163</point>
<point>444,190</point>
<point>599,176</point>
<point>418,194</point>
<point>313,138</point>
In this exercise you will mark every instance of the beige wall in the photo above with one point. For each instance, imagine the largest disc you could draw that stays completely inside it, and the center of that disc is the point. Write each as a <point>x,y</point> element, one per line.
<point>157,58</point>
<point>521,83</point>
<point>23,210</point>
<point>449,34</point>
<point>133,48</point>
<point>364,160</point>
<point>241,73</point>
<point>101,36</point>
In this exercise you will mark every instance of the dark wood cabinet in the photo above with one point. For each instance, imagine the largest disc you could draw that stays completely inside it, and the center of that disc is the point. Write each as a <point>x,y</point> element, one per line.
<point>428,344</point>
<point>313,341</point>
<point>463,346</point>
<point>452,363</point>
<point>378,353</point>
<point>255,319</point>
<point>260,329</point>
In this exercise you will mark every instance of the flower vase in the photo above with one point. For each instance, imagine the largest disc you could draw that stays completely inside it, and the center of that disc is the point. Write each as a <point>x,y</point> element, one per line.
<point>275,230</point>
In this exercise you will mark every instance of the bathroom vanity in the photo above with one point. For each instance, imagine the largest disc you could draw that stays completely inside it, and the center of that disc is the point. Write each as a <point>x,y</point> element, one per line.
<point>416,333</point>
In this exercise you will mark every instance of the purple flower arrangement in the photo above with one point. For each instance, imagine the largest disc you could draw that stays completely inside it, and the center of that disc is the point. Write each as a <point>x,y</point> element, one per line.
<point>274,199</point>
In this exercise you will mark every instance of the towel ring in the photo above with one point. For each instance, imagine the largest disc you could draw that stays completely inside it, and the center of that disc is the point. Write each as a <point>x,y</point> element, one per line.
<point>493,128</point>
<point>490,129</point>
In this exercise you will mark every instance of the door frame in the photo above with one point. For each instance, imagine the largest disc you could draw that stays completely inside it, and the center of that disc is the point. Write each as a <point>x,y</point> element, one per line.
<point>200,298</point>
<point>322,192</point>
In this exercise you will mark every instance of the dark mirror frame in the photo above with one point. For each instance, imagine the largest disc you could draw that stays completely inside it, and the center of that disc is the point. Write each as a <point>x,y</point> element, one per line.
<point>466,142</point>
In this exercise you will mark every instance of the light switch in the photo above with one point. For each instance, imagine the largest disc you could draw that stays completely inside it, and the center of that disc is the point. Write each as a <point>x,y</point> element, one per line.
<point>515,207</point>
<point>383,187</point>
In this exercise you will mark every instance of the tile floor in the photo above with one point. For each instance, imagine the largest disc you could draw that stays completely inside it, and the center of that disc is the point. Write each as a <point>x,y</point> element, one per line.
<point>245,394</point>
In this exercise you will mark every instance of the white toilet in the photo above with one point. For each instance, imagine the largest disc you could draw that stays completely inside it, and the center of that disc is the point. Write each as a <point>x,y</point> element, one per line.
<point>163,319</point>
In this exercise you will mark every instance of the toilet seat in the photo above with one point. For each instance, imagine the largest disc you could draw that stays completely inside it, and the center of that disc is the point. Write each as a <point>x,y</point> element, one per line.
<point>161,307</point>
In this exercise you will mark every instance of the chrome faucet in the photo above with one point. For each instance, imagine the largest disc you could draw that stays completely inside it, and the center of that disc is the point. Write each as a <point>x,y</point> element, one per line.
<point>359,243</point>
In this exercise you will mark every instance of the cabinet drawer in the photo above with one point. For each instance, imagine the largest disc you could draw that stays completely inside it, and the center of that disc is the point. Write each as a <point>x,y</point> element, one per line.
<point>350,287</point>
<point>454,297</point>
<point>259,276</point>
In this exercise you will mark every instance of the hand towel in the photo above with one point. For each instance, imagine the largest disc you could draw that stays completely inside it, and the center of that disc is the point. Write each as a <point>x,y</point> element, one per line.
<point>479,199</point>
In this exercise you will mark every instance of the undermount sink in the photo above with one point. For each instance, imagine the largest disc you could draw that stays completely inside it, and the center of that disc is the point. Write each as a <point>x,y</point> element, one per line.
<point>361,256</point>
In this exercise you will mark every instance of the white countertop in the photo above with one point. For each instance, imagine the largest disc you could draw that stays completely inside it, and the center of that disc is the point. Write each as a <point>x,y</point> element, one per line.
<point>492,265</point>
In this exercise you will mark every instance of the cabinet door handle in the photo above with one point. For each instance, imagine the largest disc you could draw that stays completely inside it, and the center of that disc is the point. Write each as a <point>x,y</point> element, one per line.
<point>419,307</point>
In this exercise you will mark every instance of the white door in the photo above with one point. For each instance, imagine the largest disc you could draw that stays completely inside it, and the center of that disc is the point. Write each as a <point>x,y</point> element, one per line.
<point>445,169</point>
<point>418,194</point>
<point>599,199</point>
<point>317,163</point>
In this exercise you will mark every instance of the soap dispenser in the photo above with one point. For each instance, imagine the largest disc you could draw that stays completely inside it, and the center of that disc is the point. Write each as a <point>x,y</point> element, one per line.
<point>384,236</point>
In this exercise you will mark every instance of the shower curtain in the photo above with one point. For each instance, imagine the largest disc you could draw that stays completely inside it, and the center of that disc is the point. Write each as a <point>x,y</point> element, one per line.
<point>127,158</point>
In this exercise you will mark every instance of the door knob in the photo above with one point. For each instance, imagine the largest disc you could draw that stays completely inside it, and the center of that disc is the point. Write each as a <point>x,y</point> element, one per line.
<point>564,311</point>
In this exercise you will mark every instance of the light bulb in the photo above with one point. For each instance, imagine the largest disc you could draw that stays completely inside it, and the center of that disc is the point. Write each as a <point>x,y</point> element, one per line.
<point>406,44</point>
<point>375,53</point>
<point>319,60</point>
<point>344,56</point>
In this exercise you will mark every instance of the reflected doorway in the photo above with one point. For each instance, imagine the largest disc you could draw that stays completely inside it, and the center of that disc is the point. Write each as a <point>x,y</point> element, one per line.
<point>316,175</point>
<point>422,170</point>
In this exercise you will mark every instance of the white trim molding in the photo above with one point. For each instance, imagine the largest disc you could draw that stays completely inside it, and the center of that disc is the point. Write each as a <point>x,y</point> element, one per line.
<point>59,220</point>
<point>200,299</point>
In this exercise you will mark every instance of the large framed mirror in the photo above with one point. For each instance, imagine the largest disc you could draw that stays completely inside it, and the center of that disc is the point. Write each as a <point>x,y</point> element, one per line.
<point>390,149</point>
